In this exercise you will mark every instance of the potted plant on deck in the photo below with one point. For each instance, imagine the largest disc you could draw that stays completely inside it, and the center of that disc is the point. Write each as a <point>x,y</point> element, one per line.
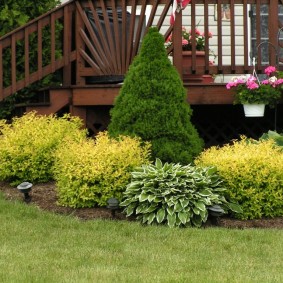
<point>255,94</point>
<point>187,53</point>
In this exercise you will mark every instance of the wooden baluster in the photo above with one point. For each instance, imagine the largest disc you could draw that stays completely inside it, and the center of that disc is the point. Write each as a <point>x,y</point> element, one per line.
<point>1,73</point>
<point>177,43</point>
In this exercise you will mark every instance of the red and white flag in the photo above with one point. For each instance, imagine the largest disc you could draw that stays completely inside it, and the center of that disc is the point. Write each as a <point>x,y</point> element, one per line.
<point>177,6</point>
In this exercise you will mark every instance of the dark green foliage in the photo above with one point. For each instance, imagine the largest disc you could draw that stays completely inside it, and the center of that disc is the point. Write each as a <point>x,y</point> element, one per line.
<point>175,195</point>
<point>13,14</point>
<point>152,105</point>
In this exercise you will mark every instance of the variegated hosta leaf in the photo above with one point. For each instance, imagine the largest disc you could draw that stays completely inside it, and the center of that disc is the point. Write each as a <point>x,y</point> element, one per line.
<point>143,197</point>
<point>151,208</point>
<point>203,215</point>
<point>200,205</point>
<point>160,215</point>
<point>171,219</point>
<point>178,207</point>
<point>183,216</point>
<point>184,202</point>
<point>196,220</point>
<point>205,193</point>
<point>150,217</point>
<point>151,198</point>
<point>170,210</point>
<point>196,210</point>
<point>141,208</point>
<point>130,209</point>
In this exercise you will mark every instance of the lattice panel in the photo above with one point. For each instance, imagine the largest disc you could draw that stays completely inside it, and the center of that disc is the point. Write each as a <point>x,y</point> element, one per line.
<point>216,124</point>
<point>219,124</point>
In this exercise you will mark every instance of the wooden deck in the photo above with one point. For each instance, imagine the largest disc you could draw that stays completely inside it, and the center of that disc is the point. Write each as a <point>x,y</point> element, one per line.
<point>109,49</point>
<point>93,95</point>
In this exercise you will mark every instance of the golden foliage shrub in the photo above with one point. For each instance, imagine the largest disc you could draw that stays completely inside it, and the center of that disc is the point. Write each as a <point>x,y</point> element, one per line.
<point>27,145</point>
<point>89,173</point>
<point>253,172</point>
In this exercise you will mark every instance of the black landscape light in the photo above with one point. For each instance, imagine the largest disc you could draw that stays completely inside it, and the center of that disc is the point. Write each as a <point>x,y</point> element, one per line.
<point>113,205</point>
<point>25,188</point>
<point>215,211</point>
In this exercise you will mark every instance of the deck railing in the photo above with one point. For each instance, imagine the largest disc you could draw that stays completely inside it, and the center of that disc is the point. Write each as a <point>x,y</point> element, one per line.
<point>22,72</point>
<point>100,38</point>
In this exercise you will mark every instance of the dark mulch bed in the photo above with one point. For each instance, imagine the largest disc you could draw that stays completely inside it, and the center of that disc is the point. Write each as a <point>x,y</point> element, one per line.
<point>44,197</point>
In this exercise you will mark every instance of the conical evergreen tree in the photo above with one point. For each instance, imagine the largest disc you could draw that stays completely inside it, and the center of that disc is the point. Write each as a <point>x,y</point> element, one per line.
<point>152,105</point>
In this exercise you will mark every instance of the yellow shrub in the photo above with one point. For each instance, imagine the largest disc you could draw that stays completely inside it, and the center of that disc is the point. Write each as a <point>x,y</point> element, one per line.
<point>28,143</point>
<point>91,172</point>
<point>253,172</point>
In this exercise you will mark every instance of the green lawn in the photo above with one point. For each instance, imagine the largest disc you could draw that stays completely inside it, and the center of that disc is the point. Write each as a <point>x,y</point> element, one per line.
<point>38,246</point>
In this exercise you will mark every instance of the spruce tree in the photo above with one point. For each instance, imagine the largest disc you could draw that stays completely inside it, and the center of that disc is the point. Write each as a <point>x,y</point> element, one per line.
<point>152,105</point>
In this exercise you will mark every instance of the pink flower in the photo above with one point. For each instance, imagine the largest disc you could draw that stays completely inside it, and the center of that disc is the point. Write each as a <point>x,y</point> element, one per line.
<point>235,81</point>
<point>269,70</point>
<point>279,82</point>
<point>251,83</point>
<point>198,32</point>
<point>184,42</point>
<point>265,82</point>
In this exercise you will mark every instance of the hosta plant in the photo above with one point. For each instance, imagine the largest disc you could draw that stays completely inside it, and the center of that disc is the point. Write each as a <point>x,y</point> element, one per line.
<point>175,195</point>
<point>276,137</point>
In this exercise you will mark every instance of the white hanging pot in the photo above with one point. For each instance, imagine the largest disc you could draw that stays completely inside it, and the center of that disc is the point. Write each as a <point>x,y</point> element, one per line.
<point>254,110</point>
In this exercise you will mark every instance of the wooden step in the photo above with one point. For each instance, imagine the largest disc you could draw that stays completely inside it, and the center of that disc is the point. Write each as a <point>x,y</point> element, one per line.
<point>58,99</point>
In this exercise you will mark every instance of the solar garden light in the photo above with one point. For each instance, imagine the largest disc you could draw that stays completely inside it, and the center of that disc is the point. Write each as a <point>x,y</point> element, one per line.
<point>25,188</point>
<point>113,205</point>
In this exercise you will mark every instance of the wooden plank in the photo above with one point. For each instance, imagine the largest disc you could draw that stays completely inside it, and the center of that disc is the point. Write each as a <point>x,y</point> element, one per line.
<point>39,50</point>
<point>14,64</point>
<point>27,81</point>
<point>95,96</point>
<point>130,36</point>
<point>197,94</point>
<point>53,42</point>
<point>209,94</point>
<point>67,37</point>
<point>138,31</point>
<point>1,73</point>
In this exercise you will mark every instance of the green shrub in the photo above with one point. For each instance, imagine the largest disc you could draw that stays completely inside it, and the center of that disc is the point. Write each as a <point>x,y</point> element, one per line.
<point>253,172</point>
<point>152,105</point>
<point>28,143</point>
<point>173,194</point>
<point>91,172</point>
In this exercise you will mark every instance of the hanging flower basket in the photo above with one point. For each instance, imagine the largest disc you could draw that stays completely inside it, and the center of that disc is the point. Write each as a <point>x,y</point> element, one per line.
<point>254,110</point>
<point>250,90</point>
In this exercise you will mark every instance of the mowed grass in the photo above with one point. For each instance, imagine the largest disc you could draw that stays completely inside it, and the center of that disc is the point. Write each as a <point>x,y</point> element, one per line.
<point>38,246</point>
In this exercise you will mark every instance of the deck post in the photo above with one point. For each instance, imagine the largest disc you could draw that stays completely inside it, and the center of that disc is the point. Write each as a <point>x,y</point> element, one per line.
<point>177,42</point>
<point>273,31</point>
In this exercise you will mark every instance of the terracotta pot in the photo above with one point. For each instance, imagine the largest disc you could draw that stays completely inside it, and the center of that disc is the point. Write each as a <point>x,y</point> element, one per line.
<point>187,63</point>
